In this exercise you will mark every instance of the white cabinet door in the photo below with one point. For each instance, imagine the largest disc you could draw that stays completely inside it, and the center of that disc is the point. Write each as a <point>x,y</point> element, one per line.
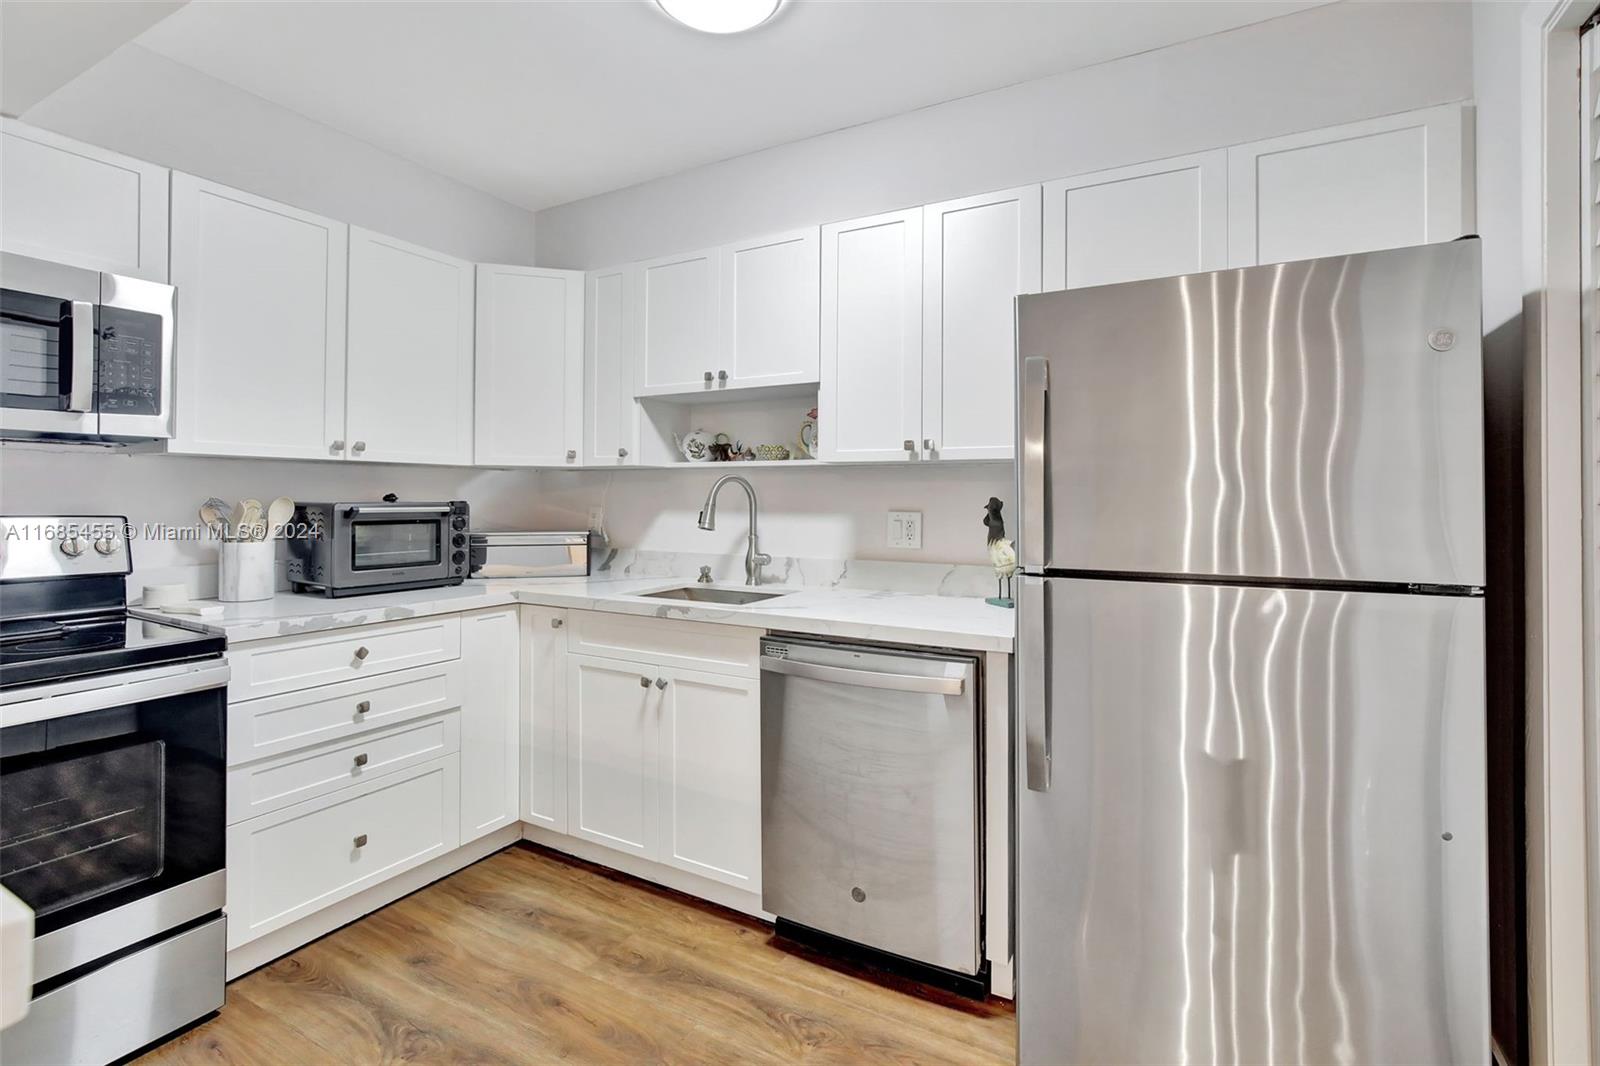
<point>612,733</point>
<point>1383,183</point>
<point>410,377</point>
<point>710,773</point>
<point>544,718</point>
<point>978,255</point>
<point>491,706</point>
<point>75,203</point>
<point>1151,220</point>
<point>677,323</point>
<point>528,366</point>
<point>870,402</point>
<point>259,342</point>
<point>610,413</point>
<point>769,312</point>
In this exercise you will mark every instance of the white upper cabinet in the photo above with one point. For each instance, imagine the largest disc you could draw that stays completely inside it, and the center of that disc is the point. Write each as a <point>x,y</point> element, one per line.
<point>410,355</point>
<point>768,311</point>
<point>677,323</point>
<point>1153,220</point>
<point>1382,183</point>
<point>978,255</point>
<point>869,407</point>
<point>74,203</point>
<point>529,366</point>
<point>610,413</point>
<point>259,342</point>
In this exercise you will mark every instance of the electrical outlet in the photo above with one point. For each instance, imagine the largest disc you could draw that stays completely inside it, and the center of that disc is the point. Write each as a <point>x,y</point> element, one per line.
<point>905,529</point>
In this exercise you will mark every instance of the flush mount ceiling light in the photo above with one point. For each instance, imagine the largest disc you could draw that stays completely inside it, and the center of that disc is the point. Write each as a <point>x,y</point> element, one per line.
<point>721,16</point>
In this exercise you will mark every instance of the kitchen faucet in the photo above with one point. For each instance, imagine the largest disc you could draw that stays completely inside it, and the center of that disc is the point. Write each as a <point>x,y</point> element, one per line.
<point>753,559</point>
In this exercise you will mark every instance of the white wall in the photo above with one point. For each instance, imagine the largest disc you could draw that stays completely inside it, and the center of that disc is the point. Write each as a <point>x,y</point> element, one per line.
<point>1316,68</point>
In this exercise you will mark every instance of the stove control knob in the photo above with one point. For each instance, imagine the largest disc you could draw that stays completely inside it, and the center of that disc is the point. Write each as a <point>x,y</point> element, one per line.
<point>72,547</point>
<point>105,546</point>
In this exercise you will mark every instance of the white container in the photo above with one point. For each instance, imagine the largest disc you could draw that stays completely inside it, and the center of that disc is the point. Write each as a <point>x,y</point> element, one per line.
<point>247,570</point>
<point>163,595</point>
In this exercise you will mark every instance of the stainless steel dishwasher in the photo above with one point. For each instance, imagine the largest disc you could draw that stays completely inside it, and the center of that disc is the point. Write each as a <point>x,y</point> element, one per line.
<point>870,804</point>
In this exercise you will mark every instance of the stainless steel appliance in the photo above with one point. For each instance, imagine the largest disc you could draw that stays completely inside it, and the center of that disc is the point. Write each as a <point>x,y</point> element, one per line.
<point>870,805</point>
<point>84,356</point>
<point>527,554</point>
<point>112,783</point>
<point>351,549</point>
<point>1251,826</point>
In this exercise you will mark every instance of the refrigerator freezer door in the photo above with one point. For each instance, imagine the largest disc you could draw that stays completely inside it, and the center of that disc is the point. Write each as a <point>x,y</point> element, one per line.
<point>1315,420</point>
<point>1264,836</point>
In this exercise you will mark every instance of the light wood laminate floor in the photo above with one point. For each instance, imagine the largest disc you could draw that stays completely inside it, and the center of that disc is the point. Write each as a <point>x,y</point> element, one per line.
<point>530,957</point>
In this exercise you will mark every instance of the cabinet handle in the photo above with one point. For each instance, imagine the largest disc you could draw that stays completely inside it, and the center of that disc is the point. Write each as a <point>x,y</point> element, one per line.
<point>364,706</point>
<point>661,682</point>
<point>622,453</point>
<point>572,453</point>
<point>911,446</point>
<point>358,447</point>
<point>708,377</point>
<point>722,376</point>
<point>361,760</point>
<point>362,653</point>
<point>336,446</point>
<point>644,682</point>
<point>557,623</point>
<point>361,841</point>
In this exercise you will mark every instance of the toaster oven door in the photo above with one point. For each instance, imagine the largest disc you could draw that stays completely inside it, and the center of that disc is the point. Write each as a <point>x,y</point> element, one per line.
<point>391,544</point>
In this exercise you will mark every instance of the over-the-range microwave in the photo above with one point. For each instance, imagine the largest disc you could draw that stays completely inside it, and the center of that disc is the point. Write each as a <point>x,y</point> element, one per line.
<point>85,357</point>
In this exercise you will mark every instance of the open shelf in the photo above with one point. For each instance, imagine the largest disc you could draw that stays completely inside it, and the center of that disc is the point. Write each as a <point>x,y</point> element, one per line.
<point>751,417</point>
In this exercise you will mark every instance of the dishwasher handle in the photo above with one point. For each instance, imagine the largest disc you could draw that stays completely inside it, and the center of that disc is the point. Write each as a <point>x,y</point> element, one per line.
<point>943,686</point>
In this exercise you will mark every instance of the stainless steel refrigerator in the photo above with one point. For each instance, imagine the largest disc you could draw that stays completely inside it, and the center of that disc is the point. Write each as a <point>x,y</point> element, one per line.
<point>1251,814</point>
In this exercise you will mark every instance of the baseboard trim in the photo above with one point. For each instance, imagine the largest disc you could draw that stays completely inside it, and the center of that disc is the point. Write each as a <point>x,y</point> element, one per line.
<point>670,877</point>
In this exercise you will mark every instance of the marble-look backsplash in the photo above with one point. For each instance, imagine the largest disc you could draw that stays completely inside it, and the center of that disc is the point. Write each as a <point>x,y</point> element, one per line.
<point>934,579</point>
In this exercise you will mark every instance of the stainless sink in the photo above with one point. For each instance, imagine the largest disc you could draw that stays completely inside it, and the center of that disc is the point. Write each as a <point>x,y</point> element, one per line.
<point>709,594</point>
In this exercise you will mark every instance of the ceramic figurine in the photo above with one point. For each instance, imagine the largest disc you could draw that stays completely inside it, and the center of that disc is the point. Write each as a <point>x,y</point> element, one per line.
<point>696,446</point>
<point>808,435</point>
<point>1001,553</point>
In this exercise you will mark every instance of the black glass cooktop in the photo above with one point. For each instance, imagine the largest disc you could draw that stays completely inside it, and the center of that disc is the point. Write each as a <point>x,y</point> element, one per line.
<point>50,649</point>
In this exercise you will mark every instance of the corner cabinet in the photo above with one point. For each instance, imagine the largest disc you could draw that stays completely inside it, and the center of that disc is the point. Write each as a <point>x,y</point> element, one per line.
<point>74,203</point>
<point>610,413</point>
<point>410,353</point>
<point>491,721</point>
<point>1382,183</point>
<point>544,717</point>
<point>528,373</point>
<point>869,406</point>
<point>259,342</point>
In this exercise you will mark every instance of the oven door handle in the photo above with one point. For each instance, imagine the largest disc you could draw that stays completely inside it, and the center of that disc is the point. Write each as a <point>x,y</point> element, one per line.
<point>81,396</point>
<point>397,508</point>
<point>80,695</point>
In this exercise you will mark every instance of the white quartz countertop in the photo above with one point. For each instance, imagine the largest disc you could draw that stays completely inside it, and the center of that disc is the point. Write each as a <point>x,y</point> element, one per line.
<point>892,617</point>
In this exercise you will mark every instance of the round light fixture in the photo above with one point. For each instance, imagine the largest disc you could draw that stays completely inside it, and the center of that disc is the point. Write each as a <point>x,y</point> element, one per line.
<point>721,16</point>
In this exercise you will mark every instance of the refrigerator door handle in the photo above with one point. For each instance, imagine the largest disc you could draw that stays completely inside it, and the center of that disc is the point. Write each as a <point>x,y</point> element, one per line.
<point>1035,395</point>
<point>1034,630</point>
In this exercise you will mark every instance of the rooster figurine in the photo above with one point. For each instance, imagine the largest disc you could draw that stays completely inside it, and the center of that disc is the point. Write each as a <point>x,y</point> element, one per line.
<point>1001,553</point>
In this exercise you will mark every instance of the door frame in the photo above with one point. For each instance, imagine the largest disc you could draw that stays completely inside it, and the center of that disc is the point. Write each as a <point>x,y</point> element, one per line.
<point>1561,796</point>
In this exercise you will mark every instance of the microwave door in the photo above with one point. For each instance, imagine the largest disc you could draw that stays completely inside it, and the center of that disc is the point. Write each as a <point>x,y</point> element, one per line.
<point>134,369</point>
<point>47,347</point>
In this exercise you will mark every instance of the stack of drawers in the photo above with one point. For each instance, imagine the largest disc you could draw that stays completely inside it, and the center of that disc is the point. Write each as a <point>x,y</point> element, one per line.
<point>343,765</point>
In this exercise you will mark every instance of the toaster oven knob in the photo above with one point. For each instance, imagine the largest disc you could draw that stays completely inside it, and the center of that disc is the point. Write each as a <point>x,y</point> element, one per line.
<point>105,546</point>
<point>458,557</point>
<point>459,540</point>
<point>72,547</point>
<point>458,522</point>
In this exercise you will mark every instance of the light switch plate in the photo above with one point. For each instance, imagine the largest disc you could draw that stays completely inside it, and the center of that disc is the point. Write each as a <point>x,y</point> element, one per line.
<point>905,529</point>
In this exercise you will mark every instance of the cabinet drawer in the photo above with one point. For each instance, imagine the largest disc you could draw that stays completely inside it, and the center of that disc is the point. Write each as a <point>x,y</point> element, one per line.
<point>278,724</point>
<point>720,649</point>
<point>287,664</point>
<point>293,862</point>
<point>275,783</point>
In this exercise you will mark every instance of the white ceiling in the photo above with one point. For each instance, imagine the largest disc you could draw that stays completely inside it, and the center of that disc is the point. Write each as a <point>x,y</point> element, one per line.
<point>541,103</point>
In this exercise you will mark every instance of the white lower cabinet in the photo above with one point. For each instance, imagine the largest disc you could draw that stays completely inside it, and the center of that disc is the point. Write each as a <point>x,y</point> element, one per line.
<point>709,762</point>
<point>611,753</point>
<point>544,717</point>
<point>293,862</point>
<point>491,716</point>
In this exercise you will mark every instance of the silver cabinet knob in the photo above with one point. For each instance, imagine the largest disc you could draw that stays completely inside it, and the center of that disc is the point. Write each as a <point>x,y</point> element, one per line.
<point>361,760</point>
<point>661,682</point>
<point>105,546</point>
<point>364,706</point>
<point>361,841</point>
<point>358,447</point>
<point>708,376</point>
<point>362,652</point>
<point>622,453</point>
<point>336,446</point>
<point>72,547</point>
<point>572,453</point>
<point>929,446</point>
<point>557,623</point>
<point>722,376</point>
<point>644,682</point>
<point>910,445</point>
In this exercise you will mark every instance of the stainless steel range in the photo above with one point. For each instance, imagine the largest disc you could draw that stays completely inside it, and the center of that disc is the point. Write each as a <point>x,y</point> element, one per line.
<point>112,731</point>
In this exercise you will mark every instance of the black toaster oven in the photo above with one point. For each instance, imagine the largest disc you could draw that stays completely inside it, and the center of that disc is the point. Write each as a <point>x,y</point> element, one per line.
<point>350,549</point>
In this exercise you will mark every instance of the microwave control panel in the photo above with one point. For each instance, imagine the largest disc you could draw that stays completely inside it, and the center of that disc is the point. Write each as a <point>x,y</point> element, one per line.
<point>129,362</point>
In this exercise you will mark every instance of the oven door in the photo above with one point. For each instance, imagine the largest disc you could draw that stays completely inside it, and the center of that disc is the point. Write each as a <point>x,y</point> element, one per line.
<point>47,347</point>
<point>112,819</point>
<point>391,544</point>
